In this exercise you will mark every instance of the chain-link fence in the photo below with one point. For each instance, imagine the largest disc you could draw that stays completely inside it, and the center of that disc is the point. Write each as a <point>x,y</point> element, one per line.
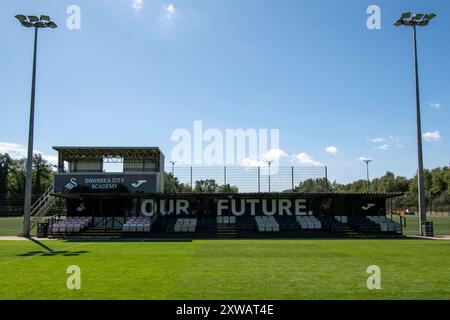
<point>244,179</point>
<point>405,210</point>
<point>12,205</point>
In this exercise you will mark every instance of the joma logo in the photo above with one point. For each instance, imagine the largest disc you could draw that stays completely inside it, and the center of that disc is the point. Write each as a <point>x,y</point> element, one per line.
<point>368,206</point>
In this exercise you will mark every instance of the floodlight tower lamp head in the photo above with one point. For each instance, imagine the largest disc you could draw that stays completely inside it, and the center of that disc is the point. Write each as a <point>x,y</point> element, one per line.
<point>417,17</point>
<point>21,17</point>
<point>405,15</point>
<point>399,22</point>
<point>43,21</point>
<point>33,18</point>
<point>430,16</point>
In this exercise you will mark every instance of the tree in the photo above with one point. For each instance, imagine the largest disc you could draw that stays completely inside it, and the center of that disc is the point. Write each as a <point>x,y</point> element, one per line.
<point>173,185</point>
<point>5,167</point>
<point>227,188</point>
<point>355,186</point>
<point>313,185</point>
<point>42,174</point>
<point>16,177</point>
<point>208,185</point>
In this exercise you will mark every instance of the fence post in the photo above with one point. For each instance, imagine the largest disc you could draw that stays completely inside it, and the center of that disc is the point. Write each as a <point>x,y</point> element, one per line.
<point>192,189</point>
<point>292,178</point>
<point>225,175</point>
<point>259,180</point>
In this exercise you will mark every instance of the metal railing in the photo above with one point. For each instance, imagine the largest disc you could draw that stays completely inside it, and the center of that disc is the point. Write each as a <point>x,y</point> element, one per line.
<point>247,179</point>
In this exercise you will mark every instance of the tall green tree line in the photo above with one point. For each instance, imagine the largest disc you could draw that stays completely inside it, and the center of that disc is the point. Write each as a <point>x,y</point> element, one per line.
<point>13,174</point>
<point>437,187</point>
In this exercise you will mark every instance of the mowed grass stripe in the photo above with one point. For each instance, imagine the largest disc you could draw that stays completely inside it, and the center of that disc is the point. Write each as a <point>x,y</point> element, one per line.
<point>229,269</point>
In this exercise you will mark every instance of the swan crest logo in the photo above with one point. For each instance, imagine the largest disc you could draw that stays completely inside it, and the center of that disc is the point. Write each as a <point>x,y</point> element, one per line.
<point>138,183</point>
<point>72,184</point>
<point>368,206</point>
<point>81,207</point>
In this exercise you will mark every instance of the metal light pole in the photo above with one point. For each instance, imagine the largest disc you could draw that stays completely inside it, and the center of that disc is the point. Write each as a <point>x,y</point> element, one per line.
<point>418,19</point>
<point>173,167</point>
<point>269,163</point>
<point>367,161</point>
<point>36,23</point>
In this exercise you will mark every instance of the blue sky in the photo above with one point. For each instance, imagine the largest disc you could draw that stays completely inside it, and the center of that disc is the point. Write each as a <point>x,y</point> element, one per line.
<point>138,70</point>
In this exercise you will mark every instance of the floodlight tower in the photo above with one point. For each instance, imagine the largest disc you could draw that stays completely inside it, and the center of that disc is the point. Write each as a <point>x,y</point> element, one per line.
<point>269,163</point>
<point>367,161</point>
<point>36,23</point>
<point>421,20</point>
<point>173,167</point>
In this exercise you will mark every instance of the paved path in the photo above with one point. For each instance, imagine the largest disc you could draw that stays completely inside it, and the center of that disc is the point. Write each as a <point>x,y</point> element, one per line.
<point>444,237</point>
<point>16,238</point>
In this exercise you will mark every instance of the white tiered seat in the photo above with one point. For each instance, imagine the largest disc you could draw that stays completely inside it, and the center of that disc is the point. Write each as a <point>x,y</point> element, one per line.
<point>309,222</point>
<point>71,225</point>
<point>185,225</point>
<point>138,224</point>
<point>267,224</point>
<point>385,224</point>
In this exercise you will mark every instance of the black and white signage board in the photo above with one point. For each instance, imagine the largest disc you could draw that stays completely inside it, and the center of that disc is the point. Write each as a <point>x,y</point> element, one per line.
<point>106,183</point>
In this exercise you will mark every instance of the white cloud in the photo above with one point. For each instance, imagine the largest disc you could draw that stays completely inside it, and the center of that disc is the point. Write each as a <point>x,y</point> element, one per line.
<point>137,4</point>
<point>305,159</point>
<point>169,10</point>
<point>332,150</point>
<point>17,150</point>
<point>432,136</point>
<point>378,140</point>
<point>273,155</point>
<point>386,142</point>
<point>363,158</point>
<point>383,147</point>
<point>435,105</point>
<point>247,162</point>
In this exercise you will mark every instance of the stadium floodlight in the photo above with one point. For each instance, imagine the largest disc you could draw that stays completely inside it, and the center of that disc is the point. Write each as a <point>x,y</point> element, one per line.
<point>405,15</point>
<point>33,18</point>
<point>430,16</point>
<point>417,16</point>
<point>423,23</point>
<point>26,24</point>
<point>367,161</point>
<point>421,20</point>
<point>399,22</point>
<point>40,25</point>
<point>51,24</point>
<point>173,167</point>
<point>21,17</point>
<point>36,23</point>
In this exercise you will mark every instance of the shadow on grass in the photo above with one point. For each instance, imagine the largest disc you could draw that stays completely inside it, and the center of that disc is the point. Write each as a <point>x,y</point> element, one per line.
<point>49,252</point>
<point>132,240</point>
<point>53,253</point>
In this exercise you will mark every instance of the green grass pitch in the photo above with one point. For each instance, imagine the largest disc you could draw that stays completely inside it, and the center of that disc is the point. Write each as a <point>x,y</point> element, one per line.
<point>226,269</point>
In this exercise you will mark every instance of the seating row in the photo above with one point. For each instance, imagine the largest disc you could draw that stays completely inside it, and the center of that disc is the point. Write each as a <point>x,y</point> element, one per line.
<point>343,219</point>
<point>309,222</point>
<point>71,225</point>
<point>385,224</point>
<point>138,224</point>
<point>226,220</point>
<point>185,225</point>
<point>267,224</point>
